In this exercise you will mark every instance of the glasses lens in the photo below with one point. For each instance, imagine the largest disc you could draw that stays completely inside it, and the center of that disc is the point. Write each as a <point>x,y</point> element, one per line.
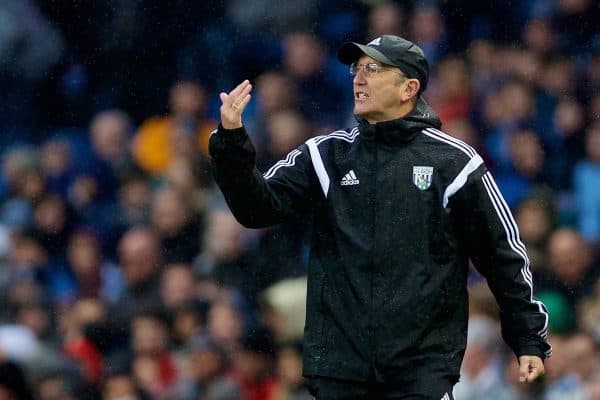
<point>371,68</point>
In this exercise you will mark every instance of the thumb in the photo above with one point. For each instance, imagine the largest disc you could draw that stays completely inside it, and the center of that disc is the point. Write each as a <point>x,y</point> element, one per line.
<point>523,370</point>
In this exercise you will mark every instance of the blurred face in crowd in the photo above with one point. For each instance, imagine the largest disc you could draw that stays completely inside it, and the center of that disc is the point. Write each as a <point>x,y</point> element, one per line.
<point>35,317</point>
<point>527,153</point>
<point>177,285</point>
<point>55,157</point>
<point>84,254</point>
<point>207,363</point>
<point>225,323</point>
<point>538,35</point>
<point>27,251</point>
<point>569,117</point>
<point>169,212</point>
<point>592,143</point>
<point>51,215</point>
<point>148,336</point>
<point>224,236</point>
<point>135,194</point>
<point>187,100</point>
<point>287,130</point>
<point>109,131</point>
<point>303,54</point>
<point>557,77</point>
<point>569,256</point>
<point>426,25</point>
<point>139,255</point>
<point>146,372</point>
<point>452,79</point>
<point>53,388</point>
<point>379,96</point>
<point>250,364</point>
<point>534,222</point>
<point>556,365</point>
<point>119,387</point>
<point>464,130</point>
<point>72,320</point>
<point>582,355</point>
<point>517,101</point>
<point>275,91</point>
<point>187,322</point>
<point>289,367</point>
<point>386,19</point>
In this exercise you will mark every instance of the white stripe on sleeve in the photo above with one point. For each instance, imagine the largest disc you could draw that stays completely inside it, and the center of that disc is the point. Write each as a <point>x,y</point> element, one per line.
<point>461,178</point>
<point>289,161</point>
<point>318,165</point>
<point>514,241</point>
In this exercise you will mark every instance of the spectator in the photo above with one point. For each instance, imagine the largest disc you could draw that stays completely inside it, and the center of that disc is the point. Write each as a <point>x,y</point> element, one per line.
<point>121,386</point>
<point>289,374</point>
<point>587,194</point>
<point>209,367</point>
<point>141,262</point>
<point>94,276</point>
<point>386,18</point>
<point>573,268</point>
<point>177,226</point>
<point>153,366</point>
<point>161,140</point>
<point>109,136</point>
<point>482,375</point>
<point>253,365</point>
<point>177,286</point>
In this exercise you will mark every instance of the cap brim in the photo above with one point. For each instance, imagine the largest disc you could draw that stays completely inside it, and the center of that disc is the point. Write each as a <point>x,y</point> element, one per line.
<point>349,52</point>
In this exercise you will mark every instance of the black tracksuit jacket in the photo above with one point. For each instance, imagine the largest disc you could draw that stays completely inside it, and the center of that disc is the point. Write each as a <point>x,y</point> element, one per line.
<point>397,209</point>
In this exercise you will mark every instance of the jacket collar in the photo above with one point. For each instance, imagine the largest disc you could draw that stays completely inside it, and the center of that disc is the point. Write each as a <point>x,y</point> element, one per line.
<point>401,130</point>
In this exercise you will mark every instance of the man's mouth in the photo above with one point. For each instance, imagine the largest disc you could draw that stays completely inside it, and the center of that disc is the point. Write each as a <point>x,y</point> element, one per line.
<point>360,96</point>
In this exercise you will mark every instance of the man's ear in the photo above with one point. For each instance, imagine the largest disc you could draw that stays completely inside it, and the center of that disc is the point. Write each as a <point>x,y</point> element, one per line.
<point>411,89</point>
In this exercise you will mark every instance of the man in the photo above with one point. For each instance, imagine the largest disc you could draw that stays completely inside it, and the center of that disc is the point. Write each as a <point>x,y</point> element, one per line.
<point>397,209</point>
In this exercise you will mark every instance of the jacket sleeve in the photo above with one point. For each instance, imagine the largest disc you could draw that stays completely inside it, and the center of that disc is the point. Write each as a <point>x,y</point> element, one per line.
<point>255,199</point>
<point>496,250</point>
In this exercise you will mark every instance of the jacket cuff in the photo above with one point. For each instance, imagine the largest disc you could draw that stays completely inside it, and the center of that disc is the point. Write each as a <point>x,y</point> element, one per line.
<point>222,139</point>
<point>529,347</point>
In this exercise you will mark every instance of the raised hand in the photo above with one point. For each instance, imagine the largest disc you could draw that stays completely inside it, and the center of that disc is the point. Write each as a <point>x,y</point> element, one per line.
<point>233,105</point>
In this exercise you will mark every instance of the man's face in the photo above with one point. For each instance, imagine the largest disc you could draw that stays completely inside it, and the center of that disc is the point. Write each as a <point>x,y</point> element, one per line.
<point>377,97</point>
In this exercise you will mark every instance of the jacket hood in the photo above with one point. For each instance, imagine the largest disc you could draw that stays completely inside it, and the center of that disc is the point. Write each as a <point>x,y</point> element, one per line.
<point>403,129</point>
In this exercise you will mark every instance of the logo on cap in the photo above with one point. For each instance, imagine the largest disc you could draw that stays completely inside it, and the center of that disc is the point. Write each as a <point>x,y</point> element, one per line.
<point>374,42</point>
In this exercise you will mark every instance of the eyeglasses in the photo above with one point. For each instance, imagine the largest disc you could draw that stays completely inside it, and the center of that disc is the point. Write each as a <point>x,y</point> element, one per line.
<point>370,69</point>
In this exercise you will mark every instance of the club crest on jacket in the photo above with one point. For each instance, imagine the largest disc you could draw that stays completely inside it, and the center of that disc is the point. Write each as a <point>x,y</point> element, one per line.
<point>422,177</point>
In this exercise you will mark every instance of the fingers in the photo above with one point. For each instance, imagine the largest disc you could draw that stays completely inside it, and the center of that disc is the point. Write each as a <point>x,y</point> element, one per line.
<point>239,89</point>
<point>233,105</point>
<point>242,99</point>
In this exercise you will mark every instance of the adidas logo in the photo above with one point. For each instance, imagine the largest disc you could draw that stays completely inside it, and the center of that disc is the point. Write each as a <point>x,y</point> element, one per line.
<point>350,179</point>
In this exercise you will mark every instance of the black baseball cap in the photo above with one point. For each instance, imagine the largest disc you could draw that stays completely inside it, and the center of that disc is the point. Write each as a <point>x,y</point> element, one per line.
<point>391,50</point>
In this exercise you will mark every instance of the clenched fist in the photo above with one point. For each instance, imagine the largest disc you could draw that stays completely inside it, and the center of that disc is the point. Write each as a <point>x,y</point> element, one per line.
<point>530,368</point>
<point>233,104</point>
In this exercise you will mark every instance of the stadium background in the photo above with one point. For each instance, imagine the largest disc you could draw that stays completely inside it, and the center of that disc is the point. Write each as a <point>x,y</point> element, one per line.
<point>122,273</point>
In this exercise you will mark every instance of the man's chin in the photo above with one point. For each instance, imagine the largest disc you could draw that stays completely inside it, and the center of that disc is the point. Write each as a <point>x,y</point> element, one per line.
<point>360,112</point>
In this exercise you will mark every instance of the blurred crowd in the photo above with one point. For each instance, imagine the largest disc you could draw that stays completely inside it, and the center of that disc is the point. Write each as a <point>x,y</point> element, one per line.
<point>123,275</point>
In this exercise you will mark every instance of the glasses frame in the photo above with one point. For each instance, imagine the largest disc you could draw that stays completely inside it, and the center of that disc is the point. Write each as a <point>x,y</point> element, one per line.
<point>371,69</point>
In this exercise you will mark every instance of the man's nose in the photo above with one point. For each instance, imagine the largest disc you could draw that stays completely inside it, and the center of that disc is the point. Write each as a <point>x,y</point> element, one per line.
<point>359,78</point>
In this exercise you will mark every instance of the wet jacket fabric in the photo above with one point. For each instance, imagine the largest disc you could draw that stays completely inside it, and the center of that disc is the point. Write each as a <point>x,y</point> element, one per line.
<point>397,209</point>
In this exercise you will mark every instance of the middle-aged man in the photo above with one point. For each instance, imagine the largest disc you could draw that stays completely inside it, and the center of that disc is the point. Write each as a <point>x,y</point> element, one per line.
<point>397,208</point>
